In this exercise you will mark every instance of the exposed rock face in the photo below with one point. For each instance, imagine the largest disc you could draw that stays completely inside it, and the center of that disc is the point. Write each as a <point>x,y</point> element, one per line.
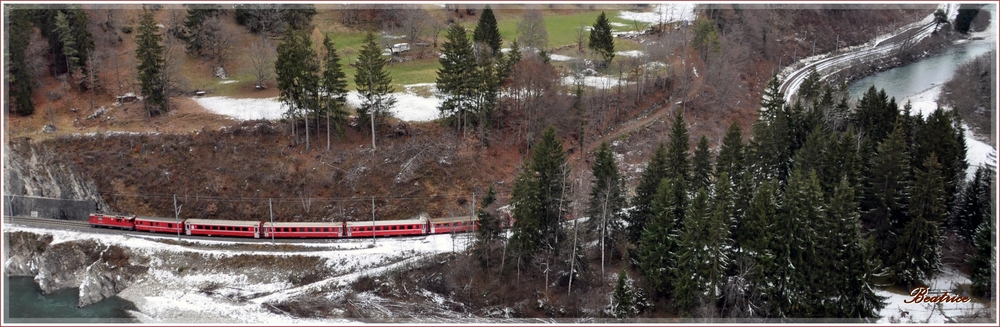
<point>108,276</point>
<point>23,253</point>
<point>39,183</point>
<point>99,270</point>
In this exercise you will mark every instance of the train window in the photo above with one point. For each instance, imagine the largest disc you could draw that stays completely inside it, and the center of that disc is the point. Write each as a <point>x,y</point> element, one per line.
<point>310,229</point>
<point>170,225</point>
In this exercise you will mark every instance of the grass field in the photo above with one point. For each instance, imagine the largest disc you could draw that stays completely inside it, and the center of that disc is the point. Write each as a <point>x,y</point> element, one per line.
<point>562,31</point>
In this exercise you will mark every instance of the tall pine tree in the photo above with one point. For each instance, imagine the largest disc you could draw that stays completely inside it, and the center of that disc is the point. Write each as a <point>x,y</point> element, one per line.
<point>658,243</point>
<point>701,175</point>
<point>487,32</point>
<point>607,198</point>
<point>642,203</point>
<point>691,277</point>
<point>19,82</point>
<point>601,40</point>
<point>677,151</point>
<point>149,52</point>
<point>539,197</point>
<point>334,87</point>
<point>457,78</point>
<point>373,82</point>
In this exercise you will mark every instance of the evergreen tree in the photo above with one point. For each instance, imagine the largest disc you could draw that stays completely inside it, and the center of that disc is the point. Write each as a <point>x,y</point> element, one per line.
<point>706,38</point>
<point>539,197</point>
<point>973,208</point>
<point>943,135</point>
<point>730,159</point>
<point>884,205</point>
<point>850,286</point>
<point>691,277</point>
<point>701,175</point>
<point>772,101</point>
<point>983,261</point>
<point>917,255</point>
<point>799,276</point>
<point>192,33</point>
<point>719,243</point>
<point>487,32</point>
<point>677,151</point>
<point>875,115</point>
<point>65,34</point>
<point>19,83</point>
<point>659,241</point>
<point>488,231</point>
<point>645,192</point>
<point>810,87</point>
<point>373,82</point>
<point>297,84</point>
<point>623,302</point>
<point>757,243</point>
<point>333,86</point>
<point>601,40</point>
<point>607,197</point>
<point>149,53</point>
<point>512,58</point>
<point>456,77</point>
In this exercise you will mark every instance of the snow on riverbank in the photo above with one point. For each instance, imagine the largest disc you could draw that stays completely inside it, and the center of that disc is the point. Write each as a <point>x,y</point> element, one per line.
<point>409,106</point>
<point>170,294</point>
<point>898,311</point>
<point>977,152</point>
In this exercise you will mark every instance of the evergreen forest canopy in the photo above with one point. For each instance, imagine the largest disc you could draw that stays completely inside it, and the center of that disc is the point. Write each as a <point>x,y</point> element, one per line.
<point>823,204</point>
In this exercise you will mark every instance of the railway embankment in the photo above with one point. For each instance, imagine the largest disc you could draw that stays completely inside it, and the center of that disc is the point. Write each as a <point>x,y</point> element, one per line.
<point>99,271</point>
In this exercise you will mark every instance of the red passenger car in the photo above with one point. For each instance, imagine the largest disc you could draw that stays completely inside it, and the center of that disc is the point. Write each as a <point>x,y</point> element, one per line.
<point>159,225</point>
<point>304,230</point>
<point>454,225</point>
<point>111,221</point>
<point>236,228</point>
<point>387,228</point>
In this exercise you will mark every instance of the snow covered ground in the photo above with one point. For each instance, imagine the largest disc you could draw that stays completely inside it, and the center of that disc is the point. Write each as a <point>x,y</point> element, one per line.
<point>667,12</point>
<point>898,311</point>
<point>409,106</point>
<point>167,295</point>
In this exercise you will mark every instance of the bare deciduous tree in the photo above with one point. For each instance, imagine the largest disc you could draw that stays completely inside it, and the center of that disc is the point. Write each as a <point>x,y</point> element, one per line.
<point>531,30</point>
<point>261,59</point>
<point>412,22</point>
<point>219,39</point>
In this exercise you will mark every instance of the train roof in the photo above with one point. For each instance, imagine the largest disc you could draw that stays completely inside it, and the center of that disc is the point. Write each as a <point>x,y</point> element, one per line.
<point>163,219</point>
<point>304,224</point>
<point>223,222</point>
<point>387,222</point>
<point>453,219</point>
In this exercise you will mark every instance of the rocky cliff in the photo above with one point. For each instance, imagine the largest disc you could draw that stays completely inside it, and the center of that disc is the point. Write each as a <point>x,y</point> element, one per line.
<point>31,171</point>
<point>99,270</point>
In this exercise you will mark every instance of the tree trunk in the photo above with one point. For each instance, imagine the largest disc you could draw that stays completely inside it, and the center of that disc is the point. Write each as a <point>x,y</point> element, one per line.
<point>327,131</point>
<point>306,120</point>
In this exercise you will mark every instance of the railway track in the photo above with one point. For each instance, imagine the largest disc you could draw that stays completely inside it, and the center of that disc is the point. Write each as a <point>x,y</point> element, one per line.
<point>879,49</point>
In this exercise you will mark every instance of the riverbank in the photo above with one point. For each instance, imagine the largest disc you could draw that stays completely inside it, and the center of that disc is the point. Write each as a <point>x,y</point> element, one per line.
<point>247,282</point>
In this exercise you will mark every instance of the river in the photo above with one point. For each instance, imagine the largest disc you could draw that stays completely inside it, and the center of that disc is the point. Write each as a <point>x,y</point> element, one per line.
<point>24,303</point>
<point>909,81</point>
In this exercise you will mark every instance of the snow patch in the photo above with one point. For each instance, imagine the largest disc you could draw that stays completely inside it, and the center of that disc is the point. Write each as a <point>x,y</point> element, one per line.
<point>630,53</point>
<point>557,57</point>
<point>409,106</point>
<point>668,12</point>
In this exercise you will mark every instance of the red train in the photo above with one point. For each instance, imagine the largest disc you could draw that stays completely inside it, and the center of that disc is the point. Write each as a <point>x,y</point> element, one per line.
<point>259,229</point>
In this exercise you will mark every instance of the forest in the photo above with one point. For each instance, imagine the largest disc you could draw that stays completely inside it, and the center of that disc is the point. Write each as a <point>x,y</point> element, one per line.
<point>796,210</point>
